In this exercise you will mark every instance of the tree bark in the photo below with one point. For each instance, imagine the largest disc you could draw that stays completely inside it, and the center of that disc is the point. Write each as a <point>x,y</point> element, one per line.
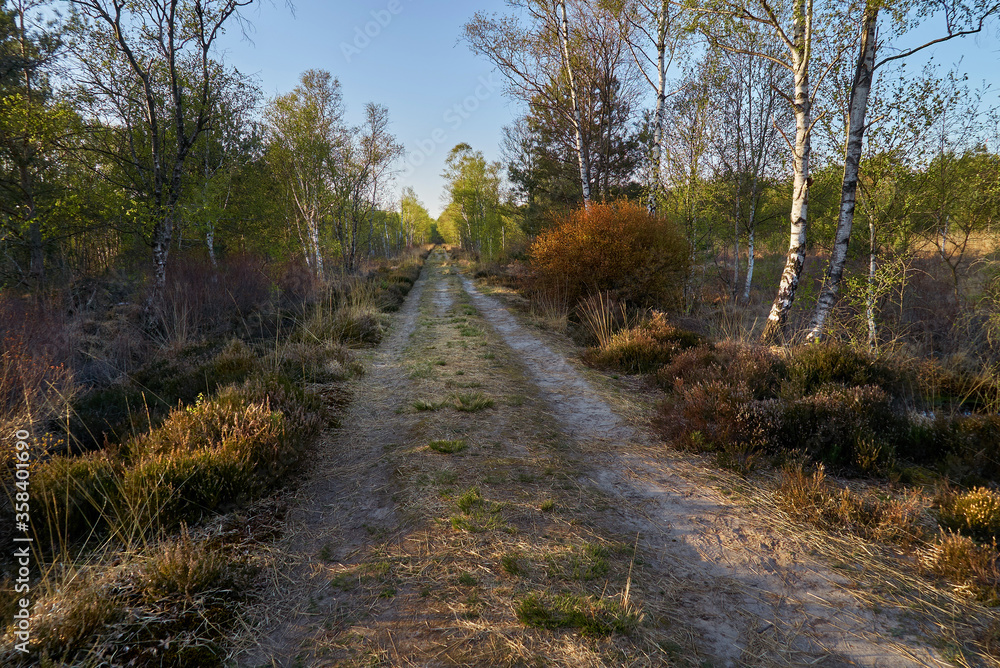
<point>661,103</point>
<point>858,107</point>
<point>577,121</point>
<point>870,296</point>
<point>751,233</point>
<point>774,329</point>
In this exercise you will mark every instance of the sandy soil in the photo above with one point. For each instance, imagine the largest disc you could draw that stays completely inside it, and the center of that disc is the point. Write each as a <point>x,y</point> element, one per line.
<point>742,588</point>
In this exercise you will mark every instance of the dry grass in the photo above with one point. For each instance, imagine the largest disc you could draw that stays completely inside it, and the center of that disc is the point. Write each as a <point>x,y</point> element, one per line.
<point>603,317</point>
<point>973,569</point>
<point>550,310</point>
<point>811,497</point>
<point>975,513</point>
<point>498,529</point>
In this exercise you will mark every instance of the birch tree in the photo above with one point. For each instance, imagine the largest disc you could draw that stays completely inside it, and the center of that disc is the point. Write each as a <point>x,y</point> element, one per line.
<point>305,133</point>
<point>533,56</point>
<point>474,192</point>
<point>147,66</point>
<point>793,26</point>
<point>961,19</point>
<point>360,172</point>
<point>746,135</point>
<point>581,154</point>
<point>651,25</point>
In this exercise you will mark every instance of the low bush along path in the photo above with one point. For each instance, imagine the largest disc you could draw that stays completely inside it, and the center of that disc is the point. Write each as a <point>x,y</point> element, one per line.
<point>483,503</point>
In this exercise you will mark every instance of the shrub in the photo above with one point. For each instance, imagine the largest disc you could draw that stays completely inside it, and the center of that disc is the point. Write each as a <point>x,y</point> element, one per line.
<point>185,567</point>
<point>35,386</point>
<point>965,448</point>
<point>352,316</point>
<point>218,452</point>
<point>811,498</point>
<point>937,385</point>
<point>616,248</point>
<point>839,425</point>
<point>815,365</point>
<point>318,363</point>
<point>77,496</point>
<point>643,349</point>
<point>974,513</point>
<point>707,410</point>
<point>65,623</point>
<point>958,559</point>
<point>761,370</point>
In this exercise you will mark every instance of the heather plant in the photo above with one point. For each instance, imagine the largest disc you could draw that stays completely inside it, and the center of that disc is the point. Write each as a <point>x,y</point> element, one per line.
<point>615,248</point>
<point>644,348</point>
<point>975,513</point>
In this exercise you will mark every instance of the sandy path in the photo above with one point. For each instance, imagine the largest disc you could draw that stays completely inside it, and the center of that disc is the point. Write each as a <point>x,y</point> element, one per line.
<point>754,593</point>
<point>345,502</point>
<point>751,593</point>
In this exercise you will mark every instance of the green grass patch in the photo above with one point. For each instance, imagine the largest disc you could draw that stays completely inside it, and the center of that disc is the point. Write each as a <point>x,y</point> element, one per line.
<point>477,514</point>
<point>588,563</point>
<point>593,616</point>
<point>421,370</point>
<point>447,447</point>
<point>512,564</point>
<point>470,330</point>
<point>472,401</point>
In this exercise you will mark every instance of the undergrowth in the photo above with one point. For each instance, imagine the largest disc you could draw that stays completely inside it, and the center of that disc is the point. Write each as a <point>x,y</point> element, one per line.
<point>217,416</point>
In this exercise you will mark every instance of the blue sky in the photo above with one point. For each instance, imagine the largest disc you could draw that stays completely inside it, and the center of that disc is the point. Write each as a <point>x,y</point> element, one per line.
<point>407,55</point>
<point>414,65</point>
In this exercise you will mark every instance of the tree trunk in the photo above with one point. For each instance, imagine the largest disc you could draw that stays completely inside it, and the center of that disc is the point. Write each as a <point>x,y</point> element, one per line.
<point>37,266</point>
<point>661,100</point>
<point>210,242</point>
<point>577,121</point>
<point>870,295</point>
<point>751,233</point>
<point>162,231</point>
<point>736,247</point>
<point>860,90</point>
<point>774,329</point>
<point>317,253</point>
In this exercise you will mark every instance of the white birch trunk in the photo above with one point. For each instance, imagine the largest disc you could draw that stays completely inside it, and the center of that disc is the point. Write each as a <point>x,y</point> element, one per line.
<point>870,296</point>
<point>316,252</point>
<point>774,329</point>
<point>210,242</point>
<point>577,121</point>
<point>860,91</point>
<point>661,98</point>
<point>751,233</point>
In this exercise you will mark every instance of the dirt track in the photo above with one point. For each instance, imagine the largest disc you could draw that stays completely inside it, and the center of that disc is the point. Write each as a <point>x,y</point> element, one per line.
<point>376,570</point>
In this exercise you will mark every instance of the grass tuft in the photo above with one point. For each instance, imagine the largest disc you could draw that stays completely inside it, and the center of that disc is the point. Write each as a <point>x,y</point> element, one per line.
<point>971,567</point>
<point>593,616</point>
<point>472,401</point>
<point>975,513</point>
<point>447,447</point>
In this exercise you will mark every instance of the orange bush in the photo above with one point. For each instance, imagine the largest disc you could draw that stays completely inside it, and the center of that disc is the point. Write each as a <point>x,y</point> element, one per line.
<point>614,247</point>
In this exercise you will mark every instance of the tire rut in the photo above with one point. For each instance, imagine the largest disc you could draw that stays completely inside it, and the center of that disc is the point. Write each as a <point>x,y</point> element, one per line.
<point>342,506</point>
<point>755,594</point>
